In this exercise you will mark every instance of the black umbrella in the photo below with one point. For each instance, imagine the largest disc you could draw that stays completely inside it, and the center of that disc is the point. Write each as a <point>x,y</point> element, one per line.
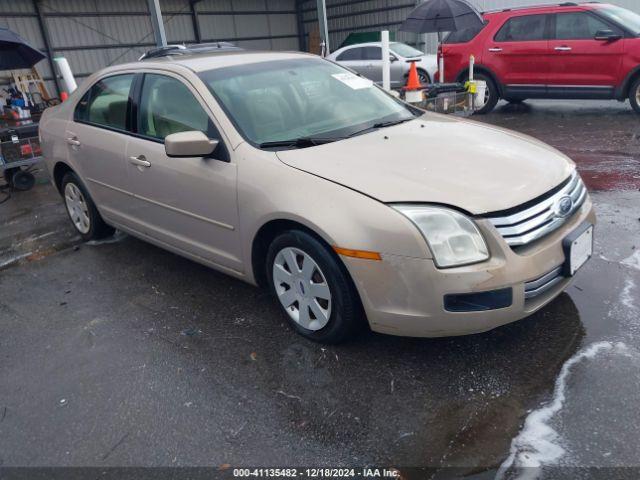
<point>442,16</point>
<point>16,52</point>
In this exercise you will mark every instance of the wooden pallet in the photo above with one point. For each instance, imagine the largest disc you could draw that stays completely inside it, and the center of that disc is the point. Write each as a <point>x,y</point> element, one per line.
<point>25,79</point>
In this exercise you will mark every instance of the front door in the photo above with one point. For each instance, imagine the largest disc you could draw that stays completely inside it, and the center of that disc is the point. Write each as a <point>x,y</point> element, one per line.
<point>579,62</point>
<point>518,54</point>
<point>96,142</point>
<point>185,203</point>
<point>373,58</point>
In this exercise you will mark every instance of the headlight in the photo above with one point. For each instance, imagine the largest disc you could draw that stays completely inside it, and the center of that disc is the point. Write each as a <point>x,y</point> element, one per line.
<point>453,238</point>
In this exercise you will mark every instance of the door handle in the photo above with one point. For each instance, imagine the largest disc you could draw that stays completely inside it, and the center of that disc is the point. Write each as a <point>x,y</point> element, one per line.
<point>73,141</point>
<point>563,49</point>
<point>140,161</point>
<point>495,49</point>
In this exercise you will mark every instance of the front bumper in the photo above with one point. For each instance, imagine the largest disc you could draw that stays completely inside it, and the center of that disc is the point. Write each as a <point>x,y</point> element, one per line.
<point>405,296</point>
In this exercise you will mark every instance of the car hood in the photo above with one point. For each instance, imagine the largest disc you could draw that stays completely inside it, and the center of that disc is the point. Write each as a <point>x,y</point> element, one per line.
<point>439,159</point>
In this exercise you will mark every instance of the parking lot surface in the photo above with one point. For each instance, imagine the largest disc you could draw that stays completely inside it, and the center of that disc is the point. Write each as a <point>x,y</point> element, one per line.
<point>118,353</point>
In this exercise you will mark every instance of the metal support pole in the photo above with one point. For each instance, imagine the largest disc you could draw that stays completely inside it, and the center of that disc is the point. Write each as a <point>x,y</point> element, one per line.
<point>47,45</point>
<point>195,20</point>
<point>324,29</point>
<point>156,23</point>
<point>302,44</point>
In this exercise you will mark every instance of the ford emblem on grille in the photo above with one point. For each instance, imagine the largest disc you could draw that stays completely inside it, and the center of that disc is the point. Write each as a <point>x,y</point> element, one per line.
<point>563,206</point>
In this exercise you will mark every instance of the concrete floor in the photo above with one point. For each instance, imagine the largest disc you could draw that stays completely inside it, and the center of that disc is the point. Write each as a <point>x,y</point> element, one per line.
<point>121,354</point>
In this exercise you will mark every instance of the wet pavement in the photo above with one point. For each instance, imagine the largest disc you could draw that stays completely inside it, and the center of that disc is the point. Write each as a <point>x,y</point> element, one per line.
<point>122,354</point>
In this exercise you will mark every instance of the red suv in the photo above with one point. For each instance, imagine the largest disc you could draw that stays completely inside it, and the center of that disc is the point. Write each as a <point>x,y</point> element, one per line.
<point>570,51</point>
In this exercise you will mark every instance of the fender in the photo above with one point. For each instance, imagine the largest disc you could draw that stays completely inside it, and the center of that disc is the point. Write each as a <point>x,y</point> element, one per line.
<point>622,91</point>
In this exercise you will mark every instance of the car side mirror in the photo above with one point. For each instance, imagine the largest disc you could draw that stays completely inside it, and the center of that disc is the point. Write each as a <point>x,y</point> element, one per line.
<point>189,144</point>
<point>607,36</point>
<point>392,58</point>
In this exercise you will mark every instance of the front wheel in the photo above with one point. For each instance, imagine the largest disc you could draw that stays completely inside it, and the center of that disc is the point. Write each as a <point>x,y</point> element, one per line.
<point>491,95</point>
<point>312,288</point>
<point>423,77</point>
<point>82,211</point>
<point>634,95</point>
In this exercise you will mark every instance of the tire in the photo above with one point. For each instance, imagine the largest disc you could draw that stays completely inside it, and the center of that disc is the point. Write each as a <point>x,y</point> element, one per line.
<point>423,77</point>
<point>339,312</point>
<point>492,94</point>
<point>22,180</point>
<point>634,95</point>
<point>8,175</point>
<point>82,211</point>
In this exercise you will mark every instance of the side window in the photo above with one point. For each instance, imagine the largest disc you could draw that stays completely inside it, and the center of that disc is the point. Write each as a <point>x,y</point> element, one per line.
<point>372,53</point>
<point>465,35</point>
<point>523,29</point>
<point>352,54</point>
<point>167,106</point>
<point>106,102</point>
<point>579,26</point>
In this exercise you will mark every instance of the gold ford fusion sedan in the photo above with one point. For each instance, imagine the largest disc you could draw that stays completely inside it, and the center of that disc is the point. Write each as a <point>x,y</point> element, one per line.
<point>288,171</point>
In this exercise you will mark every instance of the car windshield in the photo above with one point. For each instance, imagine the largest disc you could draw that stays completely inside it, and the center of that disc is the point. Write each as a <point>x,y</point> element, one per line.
<point>405,50</point>
<point>285,100</point>
<point>622,16</point>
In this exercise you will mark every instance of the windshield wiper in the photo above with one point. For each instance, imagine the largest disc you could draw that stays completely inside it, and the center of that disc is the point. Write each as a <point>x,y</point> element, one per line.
<point>301,142</point>
<point>379,125</point>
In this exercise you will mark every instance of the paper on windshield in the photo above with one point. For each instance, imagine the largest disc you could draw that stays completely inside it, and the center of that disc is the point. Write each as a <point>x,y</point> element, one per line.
<point>353,81</point>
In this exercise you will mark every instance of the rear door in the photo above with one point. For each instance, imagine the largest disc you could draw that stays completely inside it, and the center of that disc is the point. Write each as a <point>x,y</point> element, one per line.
<point>518,54</point>
<point>186,203</point>
<point>354,59</point>
<point>96,140</point>
<point>580,64</point>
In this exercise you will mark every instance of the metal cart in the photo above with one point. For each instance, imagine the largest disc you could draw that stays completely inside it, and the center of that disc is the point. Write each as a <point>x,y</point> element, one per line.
<point>18,155</point>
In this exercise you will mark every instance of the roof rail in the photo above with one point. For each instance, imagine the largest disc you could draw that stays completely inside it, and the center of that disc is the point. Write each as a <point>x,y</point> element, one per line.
<point>541,5</point>
<point>190,49</point>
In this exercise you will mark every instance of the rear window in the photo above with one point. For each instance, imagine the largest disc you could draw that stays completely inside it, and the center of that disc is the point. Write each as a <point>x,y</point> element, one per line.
<point>350,55</point>
<point>523,29</point>
<point>106,102</point>
<point>465,35</point>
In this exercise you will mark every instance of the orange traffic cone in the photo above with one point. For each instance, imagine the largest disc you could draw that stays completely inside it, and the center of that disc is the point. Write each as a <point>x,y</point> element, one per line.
<point>413,88</point>
<point>413,82</point>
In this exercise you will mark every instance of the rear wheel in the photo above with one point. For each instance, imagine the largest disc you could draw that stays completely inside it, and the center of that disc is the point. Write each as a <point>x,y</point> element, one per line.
<point>82,211</point>
<point>491,95</point>
<point>312,288</point>
<point>22,180</point>
<point>634,95</point>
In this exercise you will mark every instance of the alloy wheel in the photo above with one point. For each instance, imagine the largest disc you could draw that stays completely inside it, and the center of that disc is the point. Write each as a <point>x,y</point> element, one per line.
<point>302,288</point>
<point>77,207</point>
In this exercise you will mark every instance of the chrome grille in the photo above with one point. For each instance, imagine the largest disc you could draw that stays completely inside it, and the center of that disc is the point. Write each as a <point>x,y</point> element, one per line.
<point>537,287</point>
<point>531,223</point>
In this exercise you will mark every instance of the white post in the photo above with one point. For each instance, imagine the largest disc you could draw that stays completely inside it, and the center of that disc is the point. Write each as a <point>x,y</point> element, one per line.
<point>67,74</point>
<point>386,61</point>
<point>441,59</point>
<point>472,62</point>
